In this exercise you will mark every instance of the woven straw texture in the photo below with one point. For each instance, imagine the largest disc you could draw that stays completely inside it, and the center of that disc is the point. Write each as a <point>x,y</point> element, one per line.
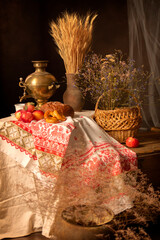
<point>120,123</point>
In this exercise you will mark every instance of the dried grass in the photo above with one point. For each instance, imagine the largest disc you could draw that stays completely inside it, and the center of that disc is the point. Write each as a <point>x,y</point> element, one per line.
<point>73,36</point>
<point>131,224</point>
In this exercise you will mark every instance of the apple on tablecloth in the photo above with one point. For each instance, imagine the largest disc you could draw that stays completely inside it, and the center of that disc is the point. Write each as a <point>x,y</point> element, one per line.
<point>26,116</point>
<point>18,114</point>
<point>29,106</point>
<point>38,115</point>
<point>132,142</point>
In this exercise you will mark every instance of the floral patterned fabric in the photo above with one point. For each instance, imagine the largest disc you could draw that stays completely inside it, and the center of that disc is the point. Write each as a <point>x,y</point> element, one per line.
<point>79,140</point>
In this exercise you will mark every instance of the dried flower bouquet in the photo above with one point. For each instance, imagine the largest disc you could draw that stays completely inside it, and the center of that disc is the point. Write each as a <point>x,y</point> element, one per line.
<point>72,35</point>
<point>106,75</point>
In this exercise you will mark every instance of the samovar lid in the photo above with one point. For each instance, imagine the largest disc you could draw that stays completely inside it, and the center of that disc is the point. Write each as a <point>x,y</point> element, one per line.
<point>40,63</point>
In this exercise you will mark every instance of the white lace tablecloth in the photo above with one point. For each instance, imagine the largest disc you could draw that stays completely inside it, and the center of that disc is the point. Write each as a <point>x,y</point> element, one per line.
<point>38,158</point>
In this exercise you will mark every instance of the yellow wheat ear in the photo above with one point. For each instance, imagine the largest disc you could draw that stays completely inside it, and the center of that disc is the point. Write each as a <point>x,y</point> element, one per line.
<point>73,36</point>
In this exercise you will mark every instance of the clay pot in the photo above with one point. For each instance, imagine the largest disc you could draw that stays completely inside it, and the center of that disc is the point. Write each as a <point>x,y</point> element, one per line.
<point>73,96</point>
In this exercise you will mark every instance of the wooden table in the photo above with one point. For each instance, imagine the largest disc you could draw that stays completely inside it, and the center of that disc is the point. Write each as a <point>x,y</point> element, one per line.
<point>148,154</point>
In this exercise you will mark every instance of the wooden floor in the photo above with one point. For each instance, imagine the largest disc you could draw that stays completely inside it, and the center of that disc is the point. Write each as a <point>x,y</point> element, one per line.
<point>149,161</point>
<point>33,236</point>
<point>154,233</point>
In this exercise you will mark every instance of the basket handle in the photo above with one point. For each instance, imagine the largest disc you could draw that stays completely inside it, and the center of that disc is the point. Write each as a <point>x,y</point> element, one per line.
<point>121,89</point>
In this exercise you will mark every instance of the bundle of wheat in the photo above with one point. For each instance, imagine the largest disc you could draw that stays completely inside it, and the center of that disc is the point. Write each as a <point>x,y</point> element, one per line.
<point>72,35</point>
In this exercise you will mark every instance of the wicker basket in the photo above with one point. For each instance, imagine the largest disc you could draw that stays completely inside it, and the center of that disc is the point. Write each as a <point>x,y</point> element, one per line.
<point>120,123</point>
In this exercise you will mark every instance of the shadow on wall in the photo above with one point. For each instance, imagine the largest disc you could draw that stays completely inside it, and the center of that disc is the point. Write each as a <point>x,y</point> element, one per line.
<point>24,36</point>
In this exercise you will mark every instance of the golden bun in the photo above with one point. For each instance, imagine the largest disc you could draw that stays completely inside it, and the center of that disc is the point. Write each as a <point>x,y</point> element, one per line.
<point>68,110</point>
<point>64,109</point>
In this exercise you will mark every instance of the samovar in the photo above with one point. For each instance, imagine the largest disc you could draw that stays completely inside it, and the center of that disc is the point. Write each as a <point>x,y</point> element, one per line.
<point>39,85</point>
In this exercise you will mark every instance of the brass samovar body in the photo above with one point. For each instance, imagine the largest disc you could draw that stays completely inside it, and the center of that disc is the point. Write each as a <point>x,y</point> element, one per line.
<point>39,85</point>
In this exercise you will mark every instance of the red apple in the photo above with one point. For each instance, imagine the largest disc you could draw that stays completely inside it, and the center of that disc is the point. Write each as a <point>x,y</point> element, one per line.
<point>26,116</point>
<point>29,106</point>
<point>132,142</point>
<point>38,115</point>
<point>18,114</point>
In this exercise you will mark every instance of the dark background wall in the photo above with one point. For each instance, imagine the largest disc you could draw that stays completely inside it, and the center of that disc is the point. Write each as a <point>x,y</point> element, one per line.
<point>24,36</point>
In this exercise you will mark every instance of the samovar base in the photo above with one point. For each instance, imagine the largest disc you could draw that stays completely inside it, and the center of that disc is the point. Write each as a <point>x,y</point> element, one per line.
<point>40,102</point>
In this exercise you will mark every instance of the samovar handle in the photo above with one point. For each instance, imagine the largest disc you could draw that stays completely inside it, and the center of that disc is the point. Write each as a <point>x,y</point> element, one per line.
<point>57,85</point>
<point>22,84</point>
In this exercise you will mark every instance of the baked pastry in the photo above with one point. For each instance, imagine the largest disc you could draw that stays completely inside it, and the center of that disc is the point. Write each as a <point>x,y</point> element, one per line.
<point>54,116</point>
<point>68,110</point>
<point>63,109</point>
<point>49,106</point>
